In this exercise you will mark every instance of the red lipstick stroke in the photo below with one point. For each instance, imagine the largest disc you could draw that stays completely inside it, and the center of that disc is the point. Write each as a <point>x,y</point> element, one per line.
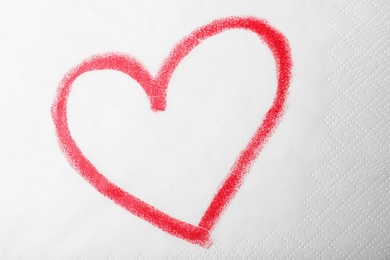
<point>155,88</point>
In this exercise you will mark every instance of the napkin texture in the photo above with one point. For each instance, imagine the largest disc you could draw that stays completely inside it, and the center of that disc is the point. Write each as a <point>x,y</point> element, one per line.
<point>319,190</point>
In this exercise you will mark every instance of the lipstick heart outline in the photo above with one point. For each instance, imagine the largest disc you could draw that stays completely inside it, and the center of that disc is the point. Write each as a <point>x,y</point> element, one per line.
<point>155,88</point>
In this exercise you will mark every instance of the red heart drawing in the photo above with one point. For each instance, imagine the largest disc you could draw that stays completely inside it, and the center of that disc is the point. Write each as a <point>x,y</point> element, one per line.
<point>155,88</point>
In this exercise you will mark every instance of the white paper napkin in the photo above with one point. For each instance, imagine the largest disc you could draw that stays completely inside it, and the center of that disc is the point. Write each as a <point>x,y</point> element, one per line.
<point>318,190</point>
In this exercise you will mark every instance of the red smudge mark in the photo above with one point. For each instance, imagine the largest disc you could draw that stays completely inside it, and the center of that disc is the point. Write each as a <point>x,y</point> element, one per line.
<point>155,88</point>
